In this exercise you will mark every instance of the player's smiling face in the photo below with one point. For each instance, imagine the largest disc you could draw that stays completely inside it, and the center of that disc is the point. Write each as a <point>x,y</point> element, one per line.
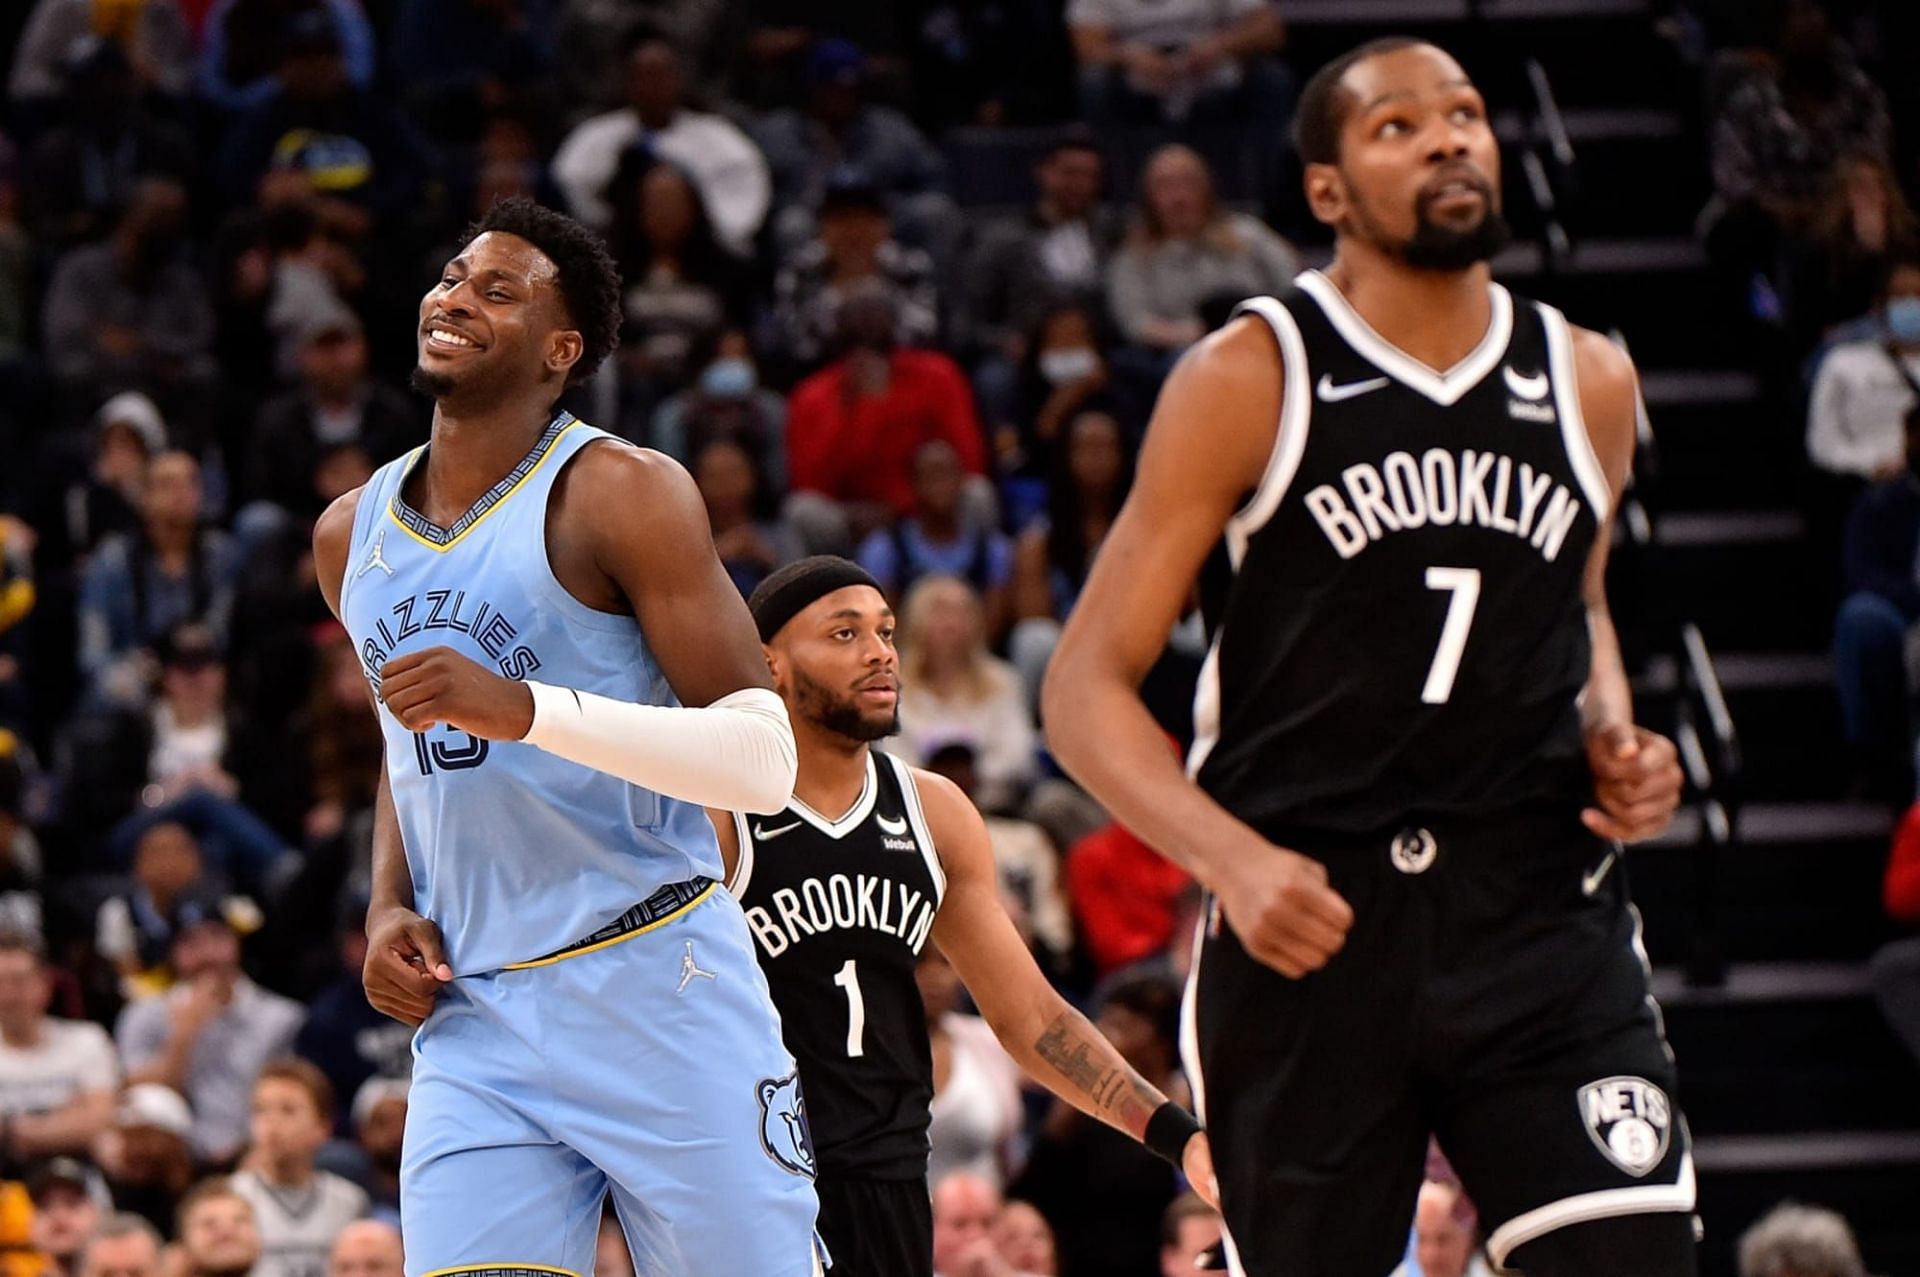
<point>834,664</point>
<point>495,319</point>
<point>1419,168</point>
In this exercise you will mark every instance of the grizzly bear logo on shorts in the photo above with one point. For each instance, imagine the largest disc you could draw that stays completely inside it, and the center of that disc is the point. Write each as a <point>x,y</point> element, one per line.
<point>783,1124</point>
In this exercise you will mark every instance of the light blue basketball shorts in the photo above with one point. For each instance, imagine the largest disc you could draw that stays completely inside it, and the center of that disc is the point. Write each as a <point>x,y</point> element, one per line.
<point>649,1067</point>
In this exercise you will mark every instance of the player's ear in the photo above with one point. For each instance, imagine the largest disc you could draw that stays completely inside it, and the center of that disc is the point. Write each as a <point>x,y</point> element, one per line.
<point>1326,193</point>
<point>773,662</point>
<point>564,351</point>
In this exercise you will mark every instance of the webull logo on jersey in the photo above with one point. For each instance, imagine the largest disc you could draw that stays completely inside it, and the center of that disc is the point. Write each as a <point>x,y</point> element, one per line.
<point>443,613</point>
<point>839,902</point>
<point>783,1124</point>
<point>1442,488</point>
<point>1630,1120</point>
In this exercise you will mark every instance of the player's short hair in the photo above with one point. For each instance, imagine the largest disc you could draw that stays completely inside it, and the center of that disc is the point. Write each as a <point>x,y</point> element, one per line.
<point>588,276</point>
<point>307,1077</point>
<point>1188,1205</point>
<point>1792,1239</point>
<point>205,1191</point>
<point>1325,105</point>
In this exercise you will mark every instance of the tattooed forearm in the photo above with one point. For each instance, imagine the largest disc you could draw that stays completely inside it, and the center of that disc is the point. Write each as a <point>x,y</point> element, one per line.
<point>1112,1091</point>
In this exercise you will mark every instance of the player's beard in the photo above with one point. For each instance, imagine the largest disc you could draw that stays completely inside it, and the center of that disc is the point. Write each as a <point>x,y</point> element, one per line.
<point>1437,247</point>
<point>434,385</point>
<point>839,714</point>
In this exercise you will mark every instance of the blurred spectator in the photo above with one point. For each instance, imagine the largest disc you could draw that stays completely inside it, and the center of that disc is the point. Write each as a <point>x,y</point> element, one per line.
<point>854,427</point>
<point>20,858</point>
<point>1103,1193</point>
<point>683,290</point>
<point>132,313</point>
<point>1146,60</point>
<point>343,1035</point>
<point>1865,389</point>
<point>17,599</point>
<point>379,1119</point>
<point>154,36</point>
<point>726,401</point>
<point>319,126</point>
<point>103,499</point>
<point>125,1245</point>
<point>1881,606</point>
<point>594,38</point>
<point>455,58</point>
<point>344,749</point>
<point>1088,484</point>
<point>953,689</point>
<point>1024,861</point>
<point>723,161</point>
<point>84,172</point>
<point>748,532</point>
<point>1025,1241</point>
<point>138,587</point>
<point>219,1236</point>
<point>298,1209</point>
<point>1792,1240</point>
<point>939,538</point>
<point>1056,252</point>
<point>854,249</point>
<point>1189,1228</point>
<point>1446,1234</point>
<point>336,403</point>
<point>57,1077</point>
<point>16,263</point>
<point>209,1036</point>
<point>242,42</point>
<point>836,128</point>
<point>69,1199</point>
<point>1065,370</point>
<point>145,1156</point>
<point>965,1206</point>
<point>134,929</point>
<point>1862,227</point>
<point>371,1248</point>
<point>1185,250</point>
<point>976,1086</point>
<point>1125,897</point>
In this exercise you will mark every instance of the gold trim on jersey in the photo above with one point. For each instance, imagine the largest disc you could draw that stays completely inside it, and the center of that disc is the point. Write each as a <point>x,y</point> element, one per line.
<point>610,941</point>
<point>502,1268</point>
<point>419,527</point>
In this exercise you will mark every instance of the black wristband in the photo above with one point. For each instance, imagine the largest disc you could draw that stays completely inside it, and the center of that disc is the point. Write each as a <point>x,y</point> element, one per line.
<point>1168,1132</point>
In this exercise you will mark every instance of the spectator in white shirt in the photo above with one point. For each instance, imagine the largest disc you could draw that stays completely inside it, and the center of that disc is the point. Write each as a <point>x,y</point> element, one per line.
<point>57,1077</point>
<point>1864,389</point>
<point>722,160</point>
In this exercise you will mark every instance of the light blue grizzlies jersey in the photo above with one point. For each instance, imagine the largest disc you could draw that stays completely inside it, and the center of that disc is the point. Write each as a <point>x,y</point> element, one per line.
<point>515,852</point>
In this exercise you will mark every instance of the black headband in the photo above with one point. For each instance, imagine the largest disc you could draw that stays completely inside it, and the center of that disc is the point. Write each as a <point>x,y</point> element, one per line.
<point>794,588</point>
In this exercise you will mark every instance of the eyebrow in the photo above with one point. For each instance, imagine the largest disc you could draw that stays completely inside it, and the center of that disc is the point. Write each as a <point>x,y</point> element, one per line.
<point>1385,98</point>
<point>854,613</point>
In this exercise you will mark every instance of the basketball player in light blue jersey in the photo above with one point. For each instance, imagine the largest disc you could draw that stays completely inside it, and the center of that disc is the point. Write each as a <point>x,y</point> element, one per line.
<point>565,678</point>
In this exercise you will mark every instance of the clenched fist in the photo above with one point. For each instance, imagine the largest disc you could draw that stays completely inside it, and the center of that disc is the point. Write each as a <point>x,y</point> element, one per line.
<point>1636,782</point>
<point>439,685</point>
<point>1283,910</point>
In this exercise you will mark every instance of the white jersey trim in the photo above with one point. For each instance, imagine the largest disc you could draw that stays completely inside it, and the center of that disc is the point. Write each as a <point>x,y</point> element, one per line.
<point>1290,439</point>
<point>742,874</point>
<point>1573,422</point>
<point>1444,388</point>
<point>1643,1199</point>
<point>861,809</point>
<point>922,832</point>
<point>1190,1056</point>
<point>1206,709</point>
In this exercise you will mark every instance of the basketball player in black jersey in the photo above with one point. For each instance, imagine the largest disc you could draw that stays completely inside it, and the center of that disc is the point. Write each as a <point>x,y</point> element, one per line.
<point>871,859</point>
<point>1415,756</point>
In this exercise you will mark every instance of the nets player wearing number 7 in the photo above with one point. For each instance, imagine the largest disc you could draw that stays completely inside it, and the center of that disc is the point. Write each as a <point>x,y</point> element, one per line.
<point>842,890</point>
<point>542,862</point>
<point>1415,753</point>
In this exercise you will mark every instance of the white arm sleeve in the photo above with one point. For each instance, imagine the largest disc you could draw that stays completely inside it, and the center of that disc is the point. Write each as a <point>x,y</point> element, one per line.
<point>736,754</point>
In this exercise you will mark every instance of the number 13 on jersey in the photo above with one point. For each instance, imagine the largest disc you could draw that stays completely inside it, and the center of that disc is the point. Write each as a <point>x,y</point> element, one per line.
<point>1464,585</point>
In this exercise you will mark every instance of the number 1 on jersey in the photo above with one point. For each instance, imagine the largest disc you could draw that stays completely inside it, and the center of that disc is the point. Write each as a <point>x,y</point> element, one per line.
<point>1464,585</point>
<point>848,978</point>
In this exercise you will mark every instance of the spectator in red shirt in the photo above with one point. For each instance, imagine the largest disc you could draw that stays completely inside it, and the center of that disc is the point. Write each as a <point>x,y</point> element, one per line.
<point>854,427</point>
<point>1896,968</point>
<point>1126,897</point>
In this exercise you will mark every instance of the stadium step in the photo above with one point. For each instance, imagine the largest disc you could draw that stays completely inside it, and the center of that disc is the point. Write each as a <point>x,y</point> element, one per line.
<point>1784,707</point>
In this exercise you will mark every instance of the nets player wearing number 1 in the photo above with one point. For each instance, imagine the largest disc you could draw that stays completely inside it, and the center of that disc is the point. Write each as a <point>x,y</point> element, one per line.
<point>1415,754</point>
<point>843,889</point>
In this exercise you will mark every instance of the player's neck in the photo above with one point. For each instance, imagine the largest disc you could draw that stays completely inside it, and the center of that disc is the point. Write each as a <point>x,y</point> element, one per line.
<point>833,769</point>
<point>471,452</point>
<point>1436,317</point>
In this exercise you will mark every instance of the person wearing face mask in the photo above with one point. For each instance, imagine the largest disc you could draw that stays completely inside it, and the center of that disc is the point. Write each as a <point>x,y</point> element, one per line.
<point>1865,388</point>
<point>726,401</point>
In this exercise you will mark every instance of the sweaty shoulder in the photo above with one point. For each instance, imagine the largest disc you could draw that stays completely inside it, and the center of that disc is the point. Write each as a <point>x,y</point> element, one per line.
<point>1222,403</point>
<point>619,485</point>
<point>332,538</point>
<point>1609,400</point>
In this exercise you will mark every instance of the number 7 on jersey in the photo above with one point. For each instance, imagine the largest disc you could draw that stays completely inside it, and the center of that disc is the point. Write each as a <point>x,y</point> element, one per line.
<point>1464,585</point>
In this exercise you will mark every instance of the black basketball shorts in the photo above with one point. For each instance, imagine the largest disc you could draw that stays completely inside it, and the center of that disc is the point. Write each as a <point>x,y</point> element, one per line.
<point>876,1227</point>
<point>1493,992</point>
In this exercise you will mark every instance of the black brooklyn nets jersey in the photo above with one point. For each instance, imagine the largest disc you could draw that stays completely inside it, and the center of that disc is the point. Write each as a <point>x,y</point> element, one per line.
<point>840,910</point>
<point>1403,632</point>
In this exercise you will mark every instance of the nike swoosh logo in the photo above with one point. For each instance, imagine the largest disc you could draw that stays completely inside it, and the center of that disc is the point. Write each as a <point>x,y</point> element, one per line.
<point>1330,393</point>
<point>1534,387</point>
<point>1590,882</point>
<point>895,827</point>
<point>761,832</point>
